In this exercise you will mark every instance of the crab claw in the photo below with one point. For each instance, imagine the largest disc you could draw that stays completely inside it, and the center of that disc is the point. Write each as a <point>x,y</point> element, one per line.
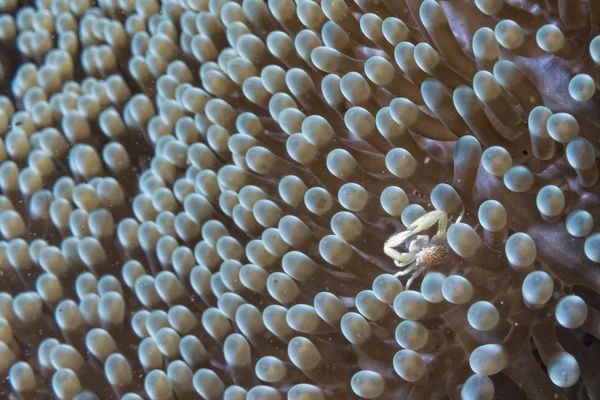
<point>426,221</point>
<point>396,255</point>
<point>393,253</point>
<point>409,260</point>
<point>398,239</point>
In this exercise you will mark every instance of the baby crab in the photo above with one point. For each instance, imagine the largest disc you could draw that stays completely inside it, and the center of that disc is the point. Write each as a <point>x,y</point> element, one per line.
<point>423,252</point>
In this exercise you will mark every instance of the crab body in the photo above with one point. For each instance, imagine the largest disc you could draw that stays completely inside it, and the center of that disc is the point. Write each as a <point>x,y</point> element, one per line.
<point>431,256</point>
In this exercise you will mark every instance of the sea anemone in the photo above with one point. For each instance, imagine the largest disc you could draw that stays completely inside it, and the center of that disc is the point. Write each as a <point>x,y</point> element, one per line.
<point>210,199</point>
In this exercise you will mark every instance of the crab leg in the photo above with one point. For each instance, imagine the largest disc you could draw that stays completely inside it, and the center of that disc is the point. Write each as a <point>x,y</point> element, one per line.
<point>442,224</point>
<point>407,260</point>
<point>414,276</point>
<point>442,228</point>
<point>406,271</point>
<point>393,253</point>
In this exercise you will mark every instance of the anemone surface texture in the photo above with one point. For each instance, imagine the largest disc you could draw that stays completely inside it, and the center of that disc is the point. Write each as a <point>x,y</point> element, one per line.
<point>299,199</point>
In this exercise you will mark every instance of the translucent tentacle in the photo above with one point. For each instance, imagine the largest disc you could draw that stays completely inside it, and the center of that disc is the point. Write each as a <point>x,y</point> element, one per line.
<point>460,217</point>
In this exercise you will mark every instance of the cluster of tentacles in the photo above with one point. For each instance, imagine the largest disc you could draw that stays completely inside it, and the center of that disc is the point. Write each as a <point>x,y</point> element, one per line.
<point>195,197</point>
